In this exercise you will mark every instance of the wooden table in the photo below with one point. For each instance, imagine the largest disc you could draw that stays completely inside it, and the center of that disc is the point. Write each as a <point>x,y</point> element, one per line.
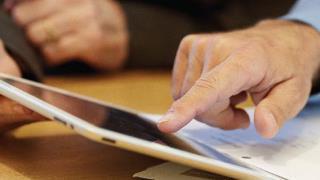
<point>47,150</point>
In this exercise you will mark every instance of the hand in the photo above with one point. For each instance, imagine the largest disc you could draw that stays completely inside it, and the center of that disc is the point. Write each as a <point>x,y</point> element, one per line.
<point>93,31</point>
<point>274,62</point>
<point>11,113</point>
<point>7,64</point>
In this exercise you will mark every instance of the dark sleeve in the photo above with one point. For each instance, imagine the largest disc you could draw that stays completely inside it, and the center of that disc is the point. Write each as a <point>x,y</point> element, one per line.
<point>19,48</point>
<point>316,85</point>
<point>156,30</point>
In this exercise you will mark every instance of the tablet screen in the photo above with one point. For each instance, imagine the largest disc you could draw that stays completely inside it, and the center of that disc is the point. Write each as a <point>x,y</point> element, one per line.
<point>98,114</point>
<point>106,116</point>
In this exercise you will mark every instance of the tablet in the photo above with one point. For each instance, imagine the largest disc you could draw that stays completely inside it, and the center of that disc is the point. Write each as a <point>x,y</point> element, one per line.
<point>120,127</point>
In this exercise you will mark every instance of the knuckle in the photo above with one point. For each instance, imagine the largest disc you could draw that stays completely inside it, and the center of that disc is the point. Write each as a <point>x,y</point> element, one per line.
<point>258,46</point>
<point>261,42</point>
<point>187,45</point>
<point>187,40</point>
<point>91,10</point>
<point>48,53</point>
<point>32,33</point>
<point>220,40</point>
<point>18,14</point>
<point>207,83</point>
<point>245,62</point>
<point>88,2</point>
<point>95,34</point>
<point>241,63</point>
<point>210,84</point>
<point>197,51</point>
<point>178,107</point>
<point>201,42</point>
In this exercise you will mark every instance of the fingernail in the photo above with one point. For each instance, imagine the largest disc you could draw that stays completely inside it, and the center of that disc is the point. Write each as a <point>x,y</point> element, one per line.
<point>271,124</point>
<point>166,118</point>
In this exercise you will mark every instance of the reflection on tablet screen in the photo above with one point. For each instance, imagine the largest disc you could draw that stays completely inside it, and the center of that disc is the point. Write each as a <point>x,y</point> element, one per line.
<point>113,119</point>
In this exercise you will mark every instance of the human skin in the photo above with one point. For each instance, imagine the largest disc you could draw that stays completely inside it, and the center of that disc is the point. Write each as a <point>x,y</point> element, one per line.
<point>93,31</point>
<point>275,62</point>
<point>11,113</point>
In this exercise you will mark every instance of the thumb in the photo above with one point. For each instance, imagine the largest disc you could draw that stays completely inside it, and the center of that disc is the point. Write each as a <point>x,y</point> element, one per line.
<point>7,64</point>
<point>282,103</point>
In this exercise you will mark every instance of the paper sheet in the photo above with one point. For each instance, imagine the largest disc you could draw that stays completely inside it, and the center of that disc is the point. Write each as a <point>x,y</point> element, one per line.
<point>293,154</point>
<point>172,171</point>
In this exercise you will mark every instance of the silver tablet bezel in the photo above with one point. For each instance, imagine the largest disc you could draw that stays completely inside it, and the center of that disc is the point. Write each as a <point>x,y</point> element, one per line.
<point>116,139</point>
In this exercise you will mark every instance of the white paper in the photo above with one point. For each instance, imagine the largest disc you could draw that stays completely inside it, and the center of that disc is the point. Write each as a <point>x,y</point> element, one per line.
<point>293,154</point>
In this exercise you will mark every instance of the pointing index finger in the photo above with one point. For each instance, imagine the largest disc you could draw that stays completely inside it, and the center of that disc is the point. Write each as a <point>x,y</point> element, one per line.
<point>237,73</point>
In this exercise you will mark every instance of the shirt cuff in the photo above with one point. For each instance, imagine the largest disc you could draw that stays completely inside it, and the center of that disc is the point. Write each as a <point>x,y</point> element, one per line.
<point>306,11</point>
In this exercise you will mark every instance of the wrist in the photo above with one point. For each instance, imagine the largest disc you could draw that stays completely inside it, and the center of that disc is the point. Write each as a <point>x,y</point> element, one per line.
<point>307,37</point>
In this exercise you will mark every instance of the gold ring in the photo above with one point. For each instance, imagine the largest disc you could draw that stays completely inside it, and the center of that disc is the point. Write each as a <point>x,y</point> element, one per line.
<point>50,35</point>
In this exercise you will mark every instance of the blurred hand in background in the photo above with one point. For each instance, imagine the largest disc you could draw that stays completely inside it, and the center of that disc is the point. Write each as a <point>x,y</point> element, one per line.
<point>93,31</point>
